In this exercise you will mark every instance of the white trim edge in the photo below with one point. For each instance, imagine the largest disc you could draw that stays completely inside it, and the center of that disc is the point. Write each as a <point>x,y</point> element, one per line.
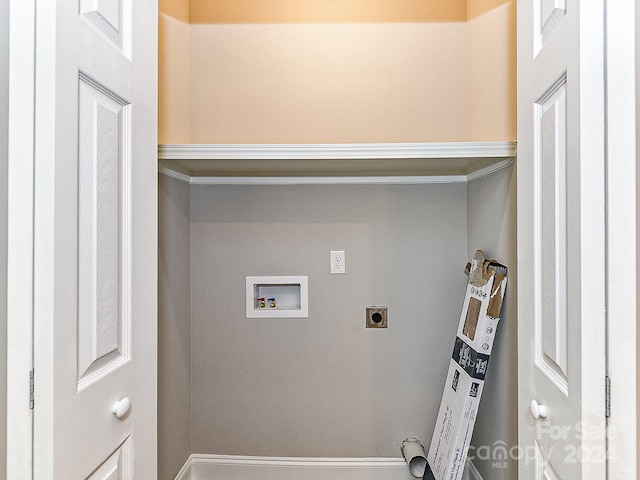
<point>329,180</point>
<point>173,174</point>
<point>336,150</point>
<point>381,180</point>
<point>489,170</point>
<point>185,471</point>
<point>236,460</point>
<point>474,474</point>
<point>506,151</point>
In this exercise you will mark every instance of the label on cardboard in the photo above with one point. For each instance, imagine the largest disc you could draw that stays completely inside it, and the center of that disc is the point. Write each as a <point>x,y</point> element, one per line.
<point>472,362</point>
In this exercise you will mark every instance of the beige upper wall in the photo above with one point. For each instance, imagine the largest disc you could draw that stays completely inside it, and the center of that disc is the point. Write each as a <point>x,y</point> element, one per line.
<point>177,9</point>
<point>173,71</point>
<point>173,80</point>
<point>475,8</point>
<point>388,81</point>
<point>328,83</point>
<point>491,87</point>
<point>323,11</point>
<point>326,11</point>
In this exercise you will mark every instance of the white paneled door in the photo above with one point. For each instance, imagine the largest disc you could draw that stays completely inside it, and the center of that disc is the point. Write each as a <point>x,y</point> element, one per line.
<point>561,240</point>
<point>93,231</point>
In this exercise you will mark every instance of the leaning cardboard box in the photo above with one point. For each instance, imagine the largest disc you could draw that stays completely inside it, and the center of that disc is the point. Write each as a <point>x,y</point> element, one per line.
<point>467,369</point>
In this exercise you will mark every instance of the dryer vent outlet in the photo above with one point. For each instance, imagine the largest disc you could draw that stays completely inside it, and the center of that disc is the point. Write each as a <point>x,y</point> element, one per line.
<point>376,317</point>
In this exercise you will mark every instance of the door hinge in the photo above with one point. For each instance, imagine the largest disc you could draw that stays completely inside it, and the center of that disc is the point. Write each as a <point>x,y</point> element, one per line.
<point>607,396</point>
<point>32,388</point>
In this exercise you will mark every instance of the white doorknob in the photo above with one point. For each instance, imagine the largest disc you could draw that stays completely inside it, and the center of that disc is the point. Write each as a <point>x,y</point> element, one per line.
<point>121,408</point>
<point>537,410</point>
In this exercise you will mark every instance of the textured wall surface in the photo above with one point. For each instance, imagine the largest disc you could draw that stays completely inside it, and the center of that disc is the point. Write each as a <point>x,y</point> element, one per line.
<point>491,88</point>
<point>174,327</point>
<point>173,71</point>
<point>308,72</point>
<point>492,228</point>
<point>323,386</point>
<point>328,83</point>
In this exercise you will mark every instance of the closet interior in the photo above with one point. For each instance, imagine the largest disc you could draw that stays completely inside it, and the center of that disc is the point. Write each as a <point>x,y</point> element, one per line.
<point>386,132</point>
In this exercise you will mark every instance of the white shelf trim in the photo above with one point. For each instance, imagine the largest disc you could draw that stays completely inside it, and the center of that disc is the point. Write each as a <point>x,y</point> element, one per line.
<point>344,151</point>
<point>490,169</point>
<point>379,180</point>
<point>505,152</point>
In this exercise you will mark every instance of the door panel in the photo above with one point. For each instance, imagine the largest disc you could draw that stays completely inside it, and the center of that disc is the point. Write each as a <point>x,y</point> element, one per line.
<point>95,248</point>
<point>544,469</point>
<point>104,236</point>
<point>112,18</point>
<point>550,199</point>
<point>561,240</point>
<point>547,15</point>
<point>118,466</point>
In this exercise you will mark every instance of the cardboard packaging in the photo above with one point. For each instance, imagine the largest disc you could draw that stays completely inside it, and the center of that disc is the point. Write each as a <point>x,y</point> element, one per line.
<point>467,369</point>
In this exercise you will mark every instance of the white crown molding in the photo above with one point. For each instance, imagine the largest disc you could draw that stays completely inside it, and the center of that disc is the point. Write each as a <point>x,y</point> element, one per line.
<point>502,154</point>
<point>344,151</point>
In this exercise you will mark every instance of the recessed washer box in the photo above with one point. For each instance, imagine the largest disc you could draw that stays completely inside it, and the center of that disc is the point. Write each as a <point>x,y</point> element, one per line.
<point>277,297</point>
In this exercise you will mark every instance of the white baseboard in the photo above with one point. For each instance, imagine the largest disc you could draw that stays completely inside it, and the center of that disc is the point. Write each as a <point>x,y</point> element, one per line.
<point>474,474</point>
<point>185,471</point>
<point>231,467</point>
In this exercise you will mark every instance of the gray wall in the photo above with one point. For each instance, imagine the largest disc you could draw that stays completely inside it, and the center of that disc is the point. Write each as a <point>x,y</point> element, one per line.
<point>4,120</point>
<point>174,345</point>
<point>323,386</point>
<point>492,228</point>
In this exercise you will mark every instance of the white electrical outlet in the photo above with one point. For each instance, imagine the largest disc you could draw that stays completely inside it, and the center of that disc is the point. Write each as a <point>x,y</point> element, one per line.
<point>337,262</point>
